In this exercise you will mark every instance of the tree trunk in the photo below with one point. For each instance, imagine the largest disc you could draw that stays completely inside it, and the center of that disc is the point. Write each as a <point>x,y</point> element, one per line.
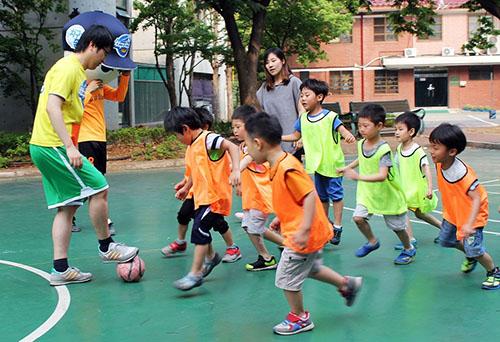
<point>492,6</point>
<point>169,66</point>
<point>215,88</point>
<point>229,88</point>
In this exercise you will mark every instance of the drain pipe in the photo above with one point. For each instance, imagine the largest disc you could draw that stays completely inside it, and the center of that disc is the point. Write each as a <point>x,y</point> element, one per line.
<point>362,60</point>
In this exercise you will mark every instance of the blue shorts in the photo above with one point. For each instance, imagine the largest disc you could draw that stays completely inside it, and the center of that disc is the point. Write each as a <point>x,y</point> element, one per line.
<point>473,245</point>
<point>328,188</point>
<point>204,221</point>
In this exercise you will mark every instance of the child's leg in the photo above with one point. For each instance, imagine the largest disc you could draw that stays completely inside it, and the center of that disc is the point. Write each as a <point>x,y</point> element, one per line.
<point>428,218</point>
<point>404,238</point>
<point>98,212</point>
<point>409,228</point>
<point>61,231</point>
<point>338,207</point>
<point>254,223</point>
<point>326,207</point>
<point>295,301</point>
<point>487,262</point>
<point>258,243</point>
<point>365,229</point>
<point>271,235</point>
<point>200,252</point>
<point>398,223</point>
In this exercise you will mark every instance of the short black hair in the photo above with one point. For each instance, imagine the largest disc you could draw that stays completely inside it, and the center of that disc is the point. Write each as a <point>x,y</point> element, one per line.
<point>176,117</point>
<point>450,136</point>
<point>411,120</point>
<point>264,126</point>
<point>206,117</point>
<point>374,112</point>
<point>243,112</point>
<point>97,34</point>
<point>318,87</point>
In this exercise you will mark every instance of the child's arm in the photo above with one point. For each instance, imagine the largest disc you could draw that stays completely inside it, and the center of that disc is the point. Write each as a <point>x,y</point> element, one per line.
<point>301,237</point>
<point>348,137</point>
<point>291,137</point>
<point>234,178</point>
<point>379,177</point>
<point>183,191</point>
<point>354,164</point>
<point>467,228</point>
<point>54,105</point>
<point>428,175</point>
<point>245,161</point>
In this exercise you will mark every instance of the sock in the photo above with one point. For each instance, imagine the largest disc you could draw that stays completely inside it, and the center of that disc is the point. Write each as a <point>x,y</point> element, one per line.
<point>337,227</point>
<point>180,242</point>
<point>104,244</point>
<point>470,259</point>
<point>61,265</point>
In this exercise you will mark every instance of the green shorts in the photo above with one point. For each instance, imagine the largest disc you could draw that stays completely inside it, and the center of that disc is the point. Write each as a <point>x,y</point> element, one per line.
<point>63,185</point>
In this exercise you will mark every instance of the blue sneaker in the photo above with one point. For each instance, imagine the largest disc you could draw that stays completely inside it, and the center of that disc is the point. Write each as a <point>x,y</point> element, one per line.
<point>406,257</point>
<point>208,266</point>
<point>337,235</point>
<point>366,249</point>
<point>399,246</point>
<point>188,282</point>
<point>294,324</point>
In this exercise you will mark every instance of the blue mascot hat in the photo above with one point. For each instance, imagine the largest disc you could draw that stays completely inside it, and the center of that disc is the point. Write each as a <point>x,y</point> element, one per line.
<point>118,58</point>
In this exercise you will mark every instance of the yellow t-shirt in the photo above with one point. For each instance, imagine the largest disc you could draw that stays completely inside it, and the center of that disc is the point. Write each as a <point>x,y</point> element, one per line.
<point>67,80</point>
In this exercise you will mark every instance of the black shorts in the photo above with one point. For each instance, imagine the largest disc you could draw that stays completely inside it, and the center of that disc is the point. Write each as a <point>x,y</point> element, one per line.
<point>204,220</point>
<point>95,151</point>
<point>186,212</point>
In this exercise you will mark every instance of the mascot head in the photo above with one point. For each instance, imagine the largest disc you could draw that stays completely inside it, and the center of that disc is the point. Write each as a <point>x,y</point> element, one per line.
<point>117,59</point>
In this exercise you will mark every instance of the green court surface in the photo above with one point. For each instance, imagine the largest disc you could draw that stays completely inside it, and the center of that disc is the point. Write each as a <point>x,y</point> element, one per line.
<point>427,300</point>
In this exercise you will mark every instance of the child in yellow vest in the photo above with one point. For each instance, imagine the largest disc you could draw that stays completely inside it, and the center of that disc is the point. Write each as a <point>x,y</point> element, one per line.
<point>378,191</point>
<point>211,180</point>
<point>303,222</point>
<point>321,131</point>
<point>186,211</point>
<point>465,203</point>
<point>415,173</point>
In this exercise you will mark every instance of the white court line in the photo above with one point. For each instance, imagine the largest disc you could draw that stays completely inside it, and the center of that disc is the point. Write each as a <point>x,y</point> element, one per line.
<point>64,299</point>
<point>436,211</point>
<point>493,193</point>
<point>491,181</point>
<point>486,122</point>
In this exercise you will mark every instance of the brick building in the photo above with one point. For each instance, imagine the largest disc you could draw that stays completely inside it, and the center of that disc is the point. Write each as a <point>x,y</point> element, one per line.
<point>372,63</point>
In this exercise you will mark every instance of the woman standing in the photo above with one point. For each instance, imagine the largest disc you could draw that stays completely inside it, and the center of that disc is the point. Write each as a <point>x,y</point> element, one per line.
<point>279,95</point>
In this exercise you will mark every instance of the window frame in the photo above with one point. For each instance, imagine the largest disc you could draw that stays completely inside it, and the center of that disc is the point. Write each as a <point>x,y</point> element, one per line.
<point>339,90</point>
<point>440,25</point>
<point>388,35</point>
<point>387,87</point>
<point>477,73</point>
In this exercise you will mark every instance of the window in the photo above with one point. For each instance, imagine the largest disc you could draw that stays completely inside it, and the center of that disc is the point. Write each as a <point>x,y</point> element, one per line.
<point>382,31</point>
<point>437,28</point>
<point>474,23</point>
<point>341,82</point>
<point>386,82</point>
<point>343,38</point>
<point>480,73</point>
<point>122,4</point>
<point>303,75</point>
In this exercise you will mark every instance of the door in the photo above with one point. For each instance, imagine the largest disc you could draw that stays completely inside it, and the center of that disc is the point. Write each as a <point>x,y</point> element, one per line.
<point>431,88</point>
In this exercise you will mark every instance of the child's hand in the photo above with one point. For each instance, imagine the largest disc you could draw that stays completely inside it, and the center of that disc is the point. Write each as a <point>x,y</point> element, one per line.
<point>300,238</point>
<point>429,194</point>
<point>341,169</point>
<point>180,184</point>
<point>468,230</point>
<point>94,85</point>
<point>75,157</point>
<point>275,224</point>
<point>234,180</point>
<point>351,174</point>
<point>181,194</point>
<point>349,138</point>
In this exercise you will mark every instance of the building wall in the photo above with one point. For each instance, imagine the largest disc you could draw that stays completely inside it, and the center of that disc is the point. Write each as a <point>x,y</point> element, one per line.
<point>475,92</point>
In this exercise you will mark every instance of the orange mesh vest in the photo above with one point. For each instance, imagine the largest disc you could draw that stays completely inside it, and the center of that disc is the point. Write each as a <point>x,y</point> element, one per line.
<point>456,202</point>
<point>256,187</point>
<point>291,213</point>
<point>210,177</point>
<point>187,172</point>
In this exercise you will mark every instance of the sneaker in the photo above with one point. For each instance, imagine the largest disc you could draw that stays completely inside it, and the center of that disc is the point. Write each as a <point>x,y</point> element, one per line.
<point>492,281</point>
<point>70,276</point>
<point>406,257</point>
<point>74,227</point>
<point>294,324</point>
<point>353,286</point>
<point>232,254</point>
<point>337,234</point>
<point>188,282</point>
<point>261,264</point>
<point>400,247</point>
<point>239,215</point>
<point>118,252</point>
<point>174,248</point>
<point>112,230</point>
<point>208,266</point>
<point>468,265</point>
<point>366,249</point>
<point>436,240</point>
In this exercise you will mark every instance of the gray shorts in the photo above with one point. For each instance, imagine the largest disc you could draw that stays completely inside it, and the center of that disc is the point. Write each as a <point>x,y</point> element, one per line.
<point>394,222</point>
<point>294,268</point>
<point>254,221</point>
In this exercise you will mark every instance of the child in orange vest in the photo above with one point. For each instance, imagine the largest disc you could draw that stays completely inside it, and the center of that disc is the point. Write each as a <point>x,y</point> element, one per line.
<point>186,211</point>
<point>303,222</point>
<point>465,203</point>
<point>211,181</point>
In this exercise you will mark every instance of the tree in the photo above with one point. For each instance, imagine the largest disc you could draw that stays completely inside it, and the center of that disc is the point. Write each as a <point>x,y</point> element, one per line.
<point>479,43</point>
<point>180,33</point>
<point>24,32</point>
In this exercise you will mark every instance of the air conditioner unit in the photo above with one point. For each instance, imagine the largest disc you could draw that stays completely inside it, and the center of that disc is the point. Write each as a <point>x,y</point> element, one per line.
<point>447,51</point>
<point>494,50</point>
<point>410,52</point>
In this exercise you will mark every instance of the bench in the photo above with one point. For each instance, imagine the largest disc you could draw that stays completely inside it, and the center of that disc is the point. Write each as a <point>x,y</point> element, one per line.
<point>347,119</point>
<point>395,107</point>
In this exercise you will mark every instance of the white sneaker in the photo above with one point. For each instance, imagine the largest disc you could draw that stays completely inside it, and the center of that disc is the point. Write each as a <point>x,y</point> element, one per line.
<point>118,252</point>
<point>70,276</point>
<point>239,215</point>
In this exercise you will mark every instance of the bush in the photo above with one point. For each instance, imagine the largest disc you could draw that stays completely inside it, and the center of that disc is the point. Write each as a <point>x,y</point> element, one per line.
<point>137,135</point>
<point>223,128</point>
